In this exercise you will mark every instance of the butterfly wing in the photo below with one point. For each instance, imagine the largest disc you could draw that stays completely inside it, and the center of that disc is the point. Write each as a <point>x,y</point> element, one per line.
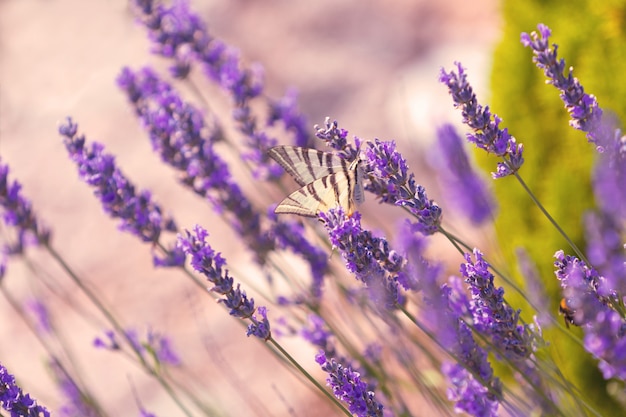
<point>331,191</point>
<point>307,165</point>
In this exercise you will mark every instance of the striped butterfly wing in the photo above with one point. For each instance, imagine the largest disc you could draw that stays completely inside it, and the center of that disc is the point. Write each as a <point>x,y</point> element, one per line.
<point>327,181</point>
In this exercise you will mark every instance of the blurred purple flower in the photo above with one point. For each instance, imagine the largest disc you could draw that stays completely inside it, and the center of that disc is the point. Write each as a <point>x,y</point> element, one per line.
<point>609,177</point>
<point>535,288</point>
<point>179,34</point>
<point>286,110</point>
<point>392,183</point>
<point>583,108</point>
<point>487,133</point>
<point>179,135</point>
<point>76,402</point>
<point>109,343</point>
<point>40,312</point>
<point>349,388</point>
<point>369,258</point>
<point>606,251</point>
<point>162,347</point>
<point>138,213</point>
<point>470,395</point>
<point>18,213</point>
<point>463,186</point>
<point>15,401</point>
<point>318,335</point>
<point>211,264</point>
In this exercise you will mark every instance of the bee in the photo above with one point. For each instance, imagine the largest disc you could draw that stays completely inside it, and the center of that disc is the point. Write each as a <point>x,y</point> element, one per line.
<point>568,313</point>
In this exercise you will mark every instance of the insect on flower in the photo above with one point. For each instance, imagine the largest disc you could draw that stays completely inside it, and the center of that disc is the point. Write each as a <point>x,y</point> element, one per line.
<point>569,315</point>
<point>327,181</point>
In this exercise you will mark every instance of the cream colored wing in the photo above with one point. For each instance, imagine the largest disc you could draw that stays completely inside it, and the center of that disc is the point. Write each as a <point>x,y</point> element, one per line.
<point>307,165</point>
<point>328,192</point>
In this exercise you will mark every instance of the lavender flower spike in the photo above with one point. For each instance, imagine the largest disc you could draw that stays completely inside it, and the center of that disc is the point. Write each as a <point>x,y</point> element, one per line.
<point>487,133</point>
<point>349,388</point>
<point>463,184</point>
<point>583,108</point>
<point>18,213</point>
<point>211,264</point>
<point>370,258</point>
<point>492,315</point>
<point>15,401</point>
<point>392,183</point>
<point>139,214</point>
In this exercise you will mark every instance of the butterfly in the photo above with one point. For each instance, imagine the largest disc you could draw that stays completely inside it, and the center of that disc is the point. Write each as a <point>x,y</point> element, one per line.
<point>327,181</point>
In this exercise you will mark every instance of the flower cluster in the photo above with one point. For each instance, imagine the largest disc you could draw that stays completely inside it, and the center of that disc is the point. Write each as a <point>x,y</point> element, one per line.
<point>582,107</point>
<point>348,387</point>
<point>211,264</point>
<point>487,133</point>
<point>138,213</point>
<point>369,258</point>
<point>18,214</point>
<point>391,181</point>
<point>463,184</point>
<point>15,401</point>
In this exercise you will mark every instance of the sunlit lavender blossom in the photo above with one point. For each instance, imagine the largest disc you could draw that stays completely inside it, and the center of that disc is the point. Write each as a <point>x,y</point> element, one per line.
<point>419,271</point>
<point>15,401</point>
<point>605,328</point>
<point>180,34</point>
<point>473,387</point>
<point>349,388</point>
<point>463,186</point>
<point>211,264</point>
<point>178,133</point>
<point>583,108</point>
<point>492,315</point>
<point>336,138</point>
<point>487,133</point>
<point>18,213</point>
<point>138,213</point>
<point>393,184</point>
<point>369,258</point>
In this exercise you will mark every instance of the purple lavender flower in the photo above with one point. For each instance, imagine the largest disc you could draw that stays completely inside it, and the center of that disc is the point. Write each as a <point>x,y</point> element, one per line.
<point>290,235</point>
<point>145,413</point>
<point>178,133</point>
<point>535,289</point>
<point>391,182</point>
<point>15,401</point>
<point>605,328</point>
<point>211,264</point>
<point>260,326</point>
<point>335,137</point>
<point>609,177</point>
<point>583,108</point>
<point>464,187</point>
<point>487,133</point>
<point>286,110</point>
<point>492,315</point>
<point>179,34</point>
<point>318,335</point>
<point>349,388</point>
<point>470,396</point>
<point>370,258</point>
<point>138,213</point>
<point>77,402</point>
<point>109,343</point>
<point>162,348</point>
<point>41,315</point>
<point>18,213</point>
<point>418,271</point>
<point>606,251</point>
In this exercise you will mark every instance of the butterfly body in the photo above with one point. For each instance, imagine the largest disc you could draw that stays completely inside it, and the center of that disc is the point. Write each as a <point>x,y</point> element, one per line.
<point>327,181</point>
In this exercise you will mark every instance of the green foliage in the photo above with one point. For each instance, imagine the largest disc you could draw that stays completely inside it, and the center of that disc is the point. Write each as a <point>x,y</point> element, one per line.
<point>591,37</point>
